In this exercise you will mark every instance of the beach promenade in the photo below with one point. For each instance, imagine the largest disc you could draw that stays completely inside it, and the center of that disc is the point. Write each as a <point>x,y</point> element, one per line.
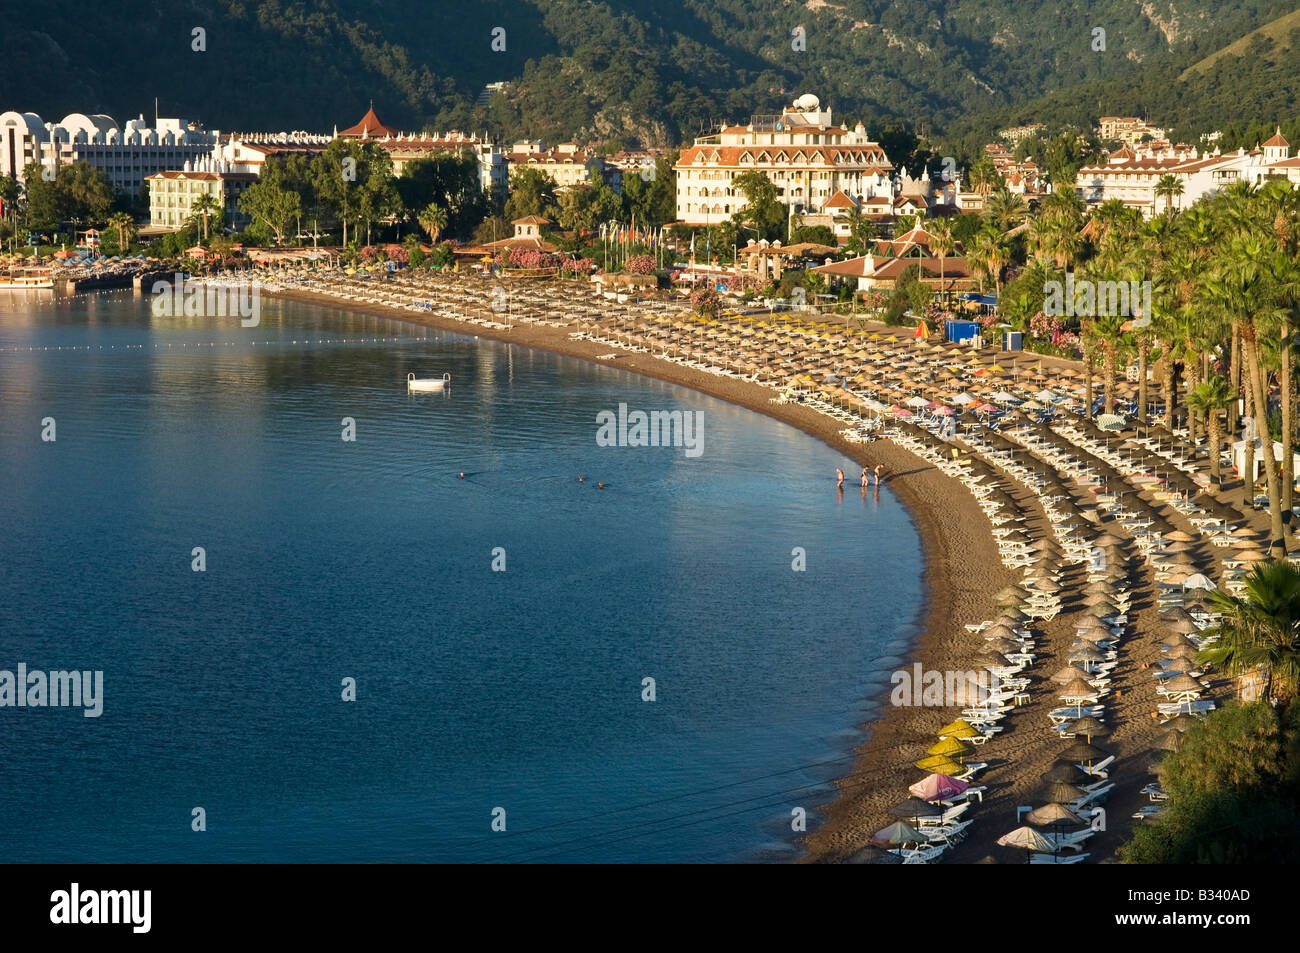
<point>1065,559</point>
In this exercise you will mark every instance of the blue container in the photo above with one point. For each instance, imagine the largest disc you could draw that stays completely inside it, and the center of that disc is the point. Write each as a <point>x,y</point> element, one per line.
<point>1013,341</point>
<point>961,331</point>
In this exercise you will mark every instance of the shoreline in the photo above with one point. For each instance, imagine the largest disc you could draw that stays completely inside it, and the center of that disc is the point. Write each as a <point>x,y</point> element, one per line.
<point>962,570</point>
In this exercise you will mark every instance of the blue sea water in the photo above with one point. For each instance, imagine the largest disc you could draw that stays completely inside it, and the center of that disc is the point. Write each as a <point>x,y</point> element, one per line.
<point>372,560</point>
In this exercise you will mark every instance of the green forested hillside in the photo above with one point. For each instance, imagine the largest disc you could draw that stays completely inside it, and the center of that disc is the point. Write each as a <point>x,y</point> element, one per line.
<point>1244,89</point>
<point>653,70</point>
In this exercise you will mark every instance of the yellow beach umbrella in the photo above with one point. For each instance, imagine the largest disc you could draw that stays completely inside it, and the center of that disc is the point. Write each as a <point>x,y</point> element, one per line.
<point>961,728</point>
<point>938,764</point>
<point>952,747</point>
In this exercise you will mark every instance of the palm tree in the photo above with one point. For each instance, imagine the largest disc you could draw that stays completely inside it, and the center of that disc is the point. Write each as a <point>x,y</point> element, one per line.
<point>205,206</point>
<point>1279,211</point>
<point>1088,346</point>
<point>1239,288</point>
<point>433,219</point>
<point>983,176</point>
<point>1168,187</point>
<point>124,224</point>
<point>1064,203</point>
<point>1108,332</point>
<point>1005,209</point>
<point>1210,397</point>
<point>1262,629</point>
<point>941,244</point>
<point>990,256</point>
<point>1106,218</point>
<point>861,231</point>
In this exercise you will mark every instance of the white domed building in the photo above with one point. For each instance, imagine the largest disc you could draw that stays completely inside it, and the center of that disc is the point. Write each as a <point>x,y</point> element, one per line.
<point>126,155</point>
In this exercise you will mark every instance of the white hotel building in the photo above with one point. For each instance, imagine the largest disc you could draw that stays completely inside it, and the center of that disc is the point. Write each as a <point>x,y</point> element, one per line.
<point>801,152</point>
<point>127,155</point>
<point>1131,174</point>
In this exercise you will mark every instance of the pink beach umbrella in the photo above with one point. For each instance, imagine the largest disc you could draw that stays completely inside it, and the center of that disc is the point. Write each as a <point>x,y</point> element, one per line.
<point>938,787</point>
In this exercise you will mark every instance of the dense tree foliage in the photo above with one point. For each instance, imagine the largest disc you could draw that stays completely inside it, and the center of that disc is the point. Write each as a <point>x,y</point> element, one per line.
<point>78,194</point>
<point>653,72</point>
<point>1234,793</point>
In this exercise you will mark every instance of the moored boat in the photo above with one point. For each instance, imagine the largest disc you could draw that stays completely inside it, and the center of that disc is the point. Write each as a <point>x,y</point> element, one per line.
<point>26,279</point>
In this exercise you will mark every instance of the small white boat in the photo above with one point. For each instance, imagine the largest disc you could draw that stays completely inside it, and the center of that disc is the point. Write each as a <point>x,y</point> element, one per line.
<point>427,384</point>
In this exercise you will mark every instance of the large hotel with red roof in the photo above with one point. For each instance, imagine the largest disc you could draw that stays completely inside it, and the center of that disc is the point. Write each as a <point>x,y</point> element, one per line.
<point>806,156</point>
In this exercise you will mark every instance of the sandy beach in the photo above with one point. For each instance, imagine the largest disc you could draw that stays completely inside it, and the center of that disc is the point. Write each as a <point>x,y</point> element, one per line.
<point>963,572</point>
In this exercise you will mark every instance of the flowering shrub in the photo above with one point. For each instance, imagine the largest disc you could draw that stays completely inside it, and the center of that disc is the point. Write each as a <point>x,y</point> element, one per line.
<point>705,300</point>
<point>529,258</point>
<point>1046,328</point>
<point>875,300</point>
<point>369,253</point>
<point>640,265</point>
<point>576,266</point>
<point>398,254</point>
<point>988,321</point>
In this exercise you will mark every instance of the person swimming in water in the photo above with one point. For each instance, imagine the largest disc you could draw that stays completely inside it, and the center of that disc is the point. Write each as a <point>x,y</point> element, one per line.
<point>840,478</point>
<point>600,486</point>
<point>462,474</point>
<point>579,479</point>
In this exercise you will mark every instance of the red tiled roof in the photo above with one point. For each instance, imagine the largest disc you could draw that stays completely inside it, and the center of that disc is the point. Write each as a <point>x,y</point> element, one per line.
<point>853,268</point>
<point>202,176</point>
<point>369,126</point>
<point>953,268</point>
<point>872,157</point>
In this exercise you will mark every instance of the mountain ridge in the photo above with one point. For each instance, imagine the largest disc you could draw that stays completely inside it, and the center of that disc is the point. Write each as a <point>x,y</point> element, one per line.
<point>653,71</point>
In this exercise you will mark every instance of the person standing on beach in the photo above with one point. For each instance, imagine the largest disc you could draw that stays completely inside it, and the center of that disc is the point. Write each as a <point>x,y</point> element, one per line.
<point>839,474</point>
<point>864,477</point>
<point>880,473</point>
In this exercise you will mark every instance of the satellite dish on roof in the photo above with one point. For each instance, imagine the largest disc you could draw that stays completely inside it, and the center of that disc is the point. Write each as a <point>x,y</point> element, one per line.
<point>807,101</point>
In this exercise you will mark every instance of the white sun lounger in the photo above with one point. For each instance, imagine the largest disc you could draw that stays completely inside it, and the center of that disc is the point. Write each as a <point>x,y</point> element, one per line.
<point>1072,840</point>
<point>1098,770</point>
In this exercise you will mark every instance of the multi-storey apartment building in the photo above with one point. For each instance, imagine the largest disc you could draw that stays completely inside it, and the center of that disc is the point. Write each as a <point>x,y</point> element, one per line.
<point>567,164</point>
<point>172,194</point>
<point>1129,130</point>
<point>126,154</point>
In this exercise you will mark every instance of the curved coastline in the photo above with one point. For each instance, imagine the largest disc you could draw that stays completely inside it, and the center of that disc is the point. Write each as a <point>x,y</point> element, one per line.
<point>962,570</point>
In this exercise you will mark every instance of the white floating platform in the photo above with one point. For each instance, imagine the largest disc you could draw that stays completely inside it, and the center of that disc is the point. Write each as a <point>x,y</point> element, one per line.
<point>428,384</point>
